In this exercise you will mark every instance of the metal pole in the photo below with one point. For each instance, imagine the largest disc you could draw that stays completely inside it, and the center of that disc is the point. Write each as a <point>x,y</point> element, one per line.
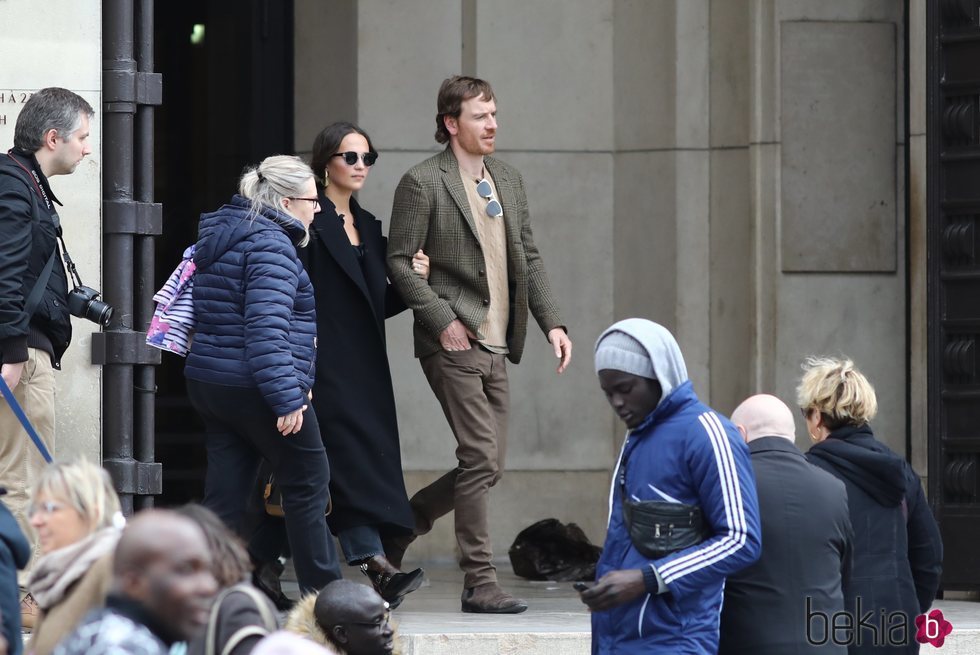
<point>145,281</point>
<point>126,223</point>
<point>117,187</point>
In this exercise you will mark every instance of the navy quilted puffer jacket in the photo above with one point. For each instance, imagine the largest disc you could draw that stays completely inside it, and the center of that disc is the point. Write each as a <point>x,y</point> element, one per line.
<point>256,321</point>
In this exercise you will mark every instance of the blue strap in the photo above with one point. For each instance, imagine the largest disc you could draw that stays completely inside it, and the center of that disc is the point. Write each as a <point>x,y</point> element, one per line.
<point>19,413</point>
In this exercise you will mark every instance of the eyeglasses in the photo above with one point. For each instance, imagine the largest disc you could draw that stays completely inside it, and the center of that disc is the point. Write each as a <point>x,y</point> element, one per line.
<point>315,201</point>
<point>485,191</point>
<point>350,157</point>
<point>48,507</point>
<point>806,412</point>
<point>380,624</point>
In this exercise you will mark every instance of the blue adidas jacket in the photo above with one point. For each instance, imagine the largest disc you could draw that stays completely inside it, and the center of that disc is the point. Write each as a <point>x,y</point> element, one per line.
<point>256,321</point>
<point>683,452</point>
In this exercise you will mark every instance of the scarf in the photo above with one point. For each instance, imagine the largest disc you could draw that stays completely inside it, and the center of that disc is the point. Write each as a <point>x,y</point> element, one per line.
<point>58,570</point>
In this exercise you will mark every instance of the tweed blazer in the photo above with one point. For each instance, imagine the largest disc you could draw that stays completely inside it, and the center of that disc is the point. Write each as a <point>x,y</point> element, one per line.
<point>431,211</point>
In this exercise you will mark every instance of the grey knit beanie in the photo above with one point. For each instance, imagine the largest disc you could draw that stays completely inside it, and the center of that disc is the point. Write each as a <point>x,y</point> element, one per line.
<point>619,351</point>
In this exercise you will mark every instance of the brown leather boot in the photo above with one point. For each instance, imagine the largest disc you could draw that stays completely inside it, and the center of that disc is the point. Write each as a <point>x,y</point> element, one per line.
<point>389,582</point>
<point>490,598</point>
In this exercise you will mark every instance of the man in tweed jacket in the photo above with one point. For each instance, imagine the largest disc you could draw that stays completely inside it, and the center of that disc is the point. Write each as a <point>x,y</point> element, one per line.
<point>469,212</point>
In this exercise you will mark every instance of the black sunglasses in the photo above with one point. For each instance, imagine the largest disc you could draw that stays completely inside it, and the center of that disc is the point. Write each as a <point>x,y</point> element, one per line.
<point>350,157</point>
<point>485,191</point>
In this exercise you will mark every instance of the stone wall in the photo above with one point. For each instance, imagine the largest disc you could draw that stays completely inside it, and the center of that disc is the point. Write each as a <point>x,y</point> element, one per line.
<point>59,43</point>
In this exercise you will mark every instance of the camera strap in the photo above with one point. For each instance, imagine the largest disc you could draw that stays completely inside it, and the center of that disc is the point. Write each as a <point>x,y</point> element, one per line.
<point>69,264</point>
<point>33,300</point>
<point>8,394</point>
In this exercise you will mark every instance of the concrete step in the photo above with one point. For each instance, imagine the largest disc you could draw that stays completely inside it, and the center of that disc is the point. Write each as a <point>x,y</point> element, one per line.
<point>430,621</point>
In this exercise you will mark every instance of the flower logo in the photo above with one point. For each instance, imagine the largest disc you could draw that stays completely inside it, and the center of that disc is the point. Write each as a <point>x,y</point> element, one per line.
<point>932,628</point>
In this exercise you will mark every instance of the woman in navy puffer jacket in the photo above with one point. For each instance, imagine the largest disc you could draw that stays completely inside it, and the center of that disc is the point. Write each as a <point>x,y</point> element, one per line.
<point>250,368</point>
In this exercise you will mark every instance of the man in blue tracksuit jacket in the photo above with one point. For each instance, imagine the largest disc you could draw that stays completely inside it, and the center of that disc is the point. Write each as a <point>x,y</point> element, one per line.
<point>677,450</point>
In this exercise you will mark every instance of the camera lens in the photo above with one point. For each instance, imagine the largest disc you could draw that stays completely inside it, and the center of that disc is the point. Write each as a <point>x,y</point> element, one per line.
<point>99,312</point>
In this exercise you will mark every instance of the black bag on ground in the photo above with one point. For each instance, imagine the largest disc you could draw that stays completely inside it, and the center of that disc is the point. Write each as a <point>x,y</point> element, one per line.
<point>551,550</point>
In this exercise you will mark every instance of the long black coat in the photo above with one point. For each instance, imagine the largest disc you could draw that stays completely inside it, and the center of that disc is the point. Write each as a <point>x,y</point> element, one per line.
<point>352,392</point>
<point>806,555</point>
<point>898,551</point>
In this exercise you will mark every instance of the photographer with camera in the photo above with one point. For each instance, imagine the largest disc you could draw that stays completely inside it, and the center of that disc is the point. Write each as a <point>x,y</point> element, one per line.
<point>50,138</point>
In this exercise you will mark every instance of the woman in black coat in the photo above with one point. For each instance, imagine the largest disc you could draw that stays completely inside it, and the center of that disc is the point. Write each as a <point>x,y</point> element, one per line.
<point>352,391</point>
<point>897,547</point>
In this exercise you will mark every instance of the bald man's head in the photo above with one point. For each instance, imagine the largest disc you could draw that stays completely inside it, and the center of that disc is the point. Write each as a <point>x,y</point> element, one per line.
<point>163,563</point>
<point>355,618</point>
<point>764,416</point>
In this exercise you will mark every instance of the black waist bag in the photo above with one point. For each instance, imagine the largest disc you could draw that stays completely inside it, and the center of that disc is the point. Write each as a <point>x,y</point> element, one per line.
<point>658,528</point>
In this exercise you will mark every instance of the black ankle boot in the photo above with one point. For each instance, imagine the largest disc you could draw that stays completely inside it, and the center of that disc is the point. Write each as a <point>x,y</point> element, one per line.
<point>265,578</point>
<point>390,583</point>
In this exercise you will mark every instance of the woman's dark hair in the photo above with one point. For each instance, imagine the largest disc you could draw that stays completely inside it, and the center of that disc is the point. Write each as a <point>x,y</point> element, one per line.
<point>327,142</point>
<point>230,563</point>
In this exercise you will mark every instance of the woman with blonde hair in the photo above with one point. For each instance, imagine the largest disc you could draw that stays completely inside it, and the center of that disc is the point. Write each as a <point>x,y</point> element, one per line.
<point>250,367</point>
<point>897,547</point>
<point>76,515</point>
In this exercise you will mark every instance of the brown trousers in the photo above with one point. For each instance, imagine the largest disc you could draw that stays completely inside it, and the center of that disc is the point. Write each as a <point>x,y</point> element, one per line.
<point>20,460</point>
<point>472,387</point>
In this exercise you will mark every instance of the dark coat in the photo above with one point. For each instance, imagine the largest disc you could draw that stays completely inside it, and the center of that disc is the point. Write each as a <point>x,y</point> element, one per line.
<point>239,618</point>
<point>352,392</point>
<point>806,552</point>
<point>898,550</point>
<point>256,323</point>
<point>14,553</point>
<point>25,247</point>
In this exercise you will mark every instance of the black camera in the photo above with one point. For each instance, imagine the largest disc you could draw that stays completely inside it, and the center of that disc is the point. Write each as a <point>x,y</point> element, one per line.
<point>84,302</point>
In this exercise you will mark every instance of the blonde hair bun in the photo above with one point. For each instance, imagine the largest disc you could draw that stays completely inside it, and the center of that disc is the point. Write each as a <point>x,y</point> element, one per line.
<point>838,390</point>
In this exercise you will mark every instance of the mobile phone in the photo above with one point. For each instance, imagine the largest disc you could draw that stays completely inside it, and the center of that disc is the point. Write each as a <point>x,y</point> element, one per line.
<point>580,586</point>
